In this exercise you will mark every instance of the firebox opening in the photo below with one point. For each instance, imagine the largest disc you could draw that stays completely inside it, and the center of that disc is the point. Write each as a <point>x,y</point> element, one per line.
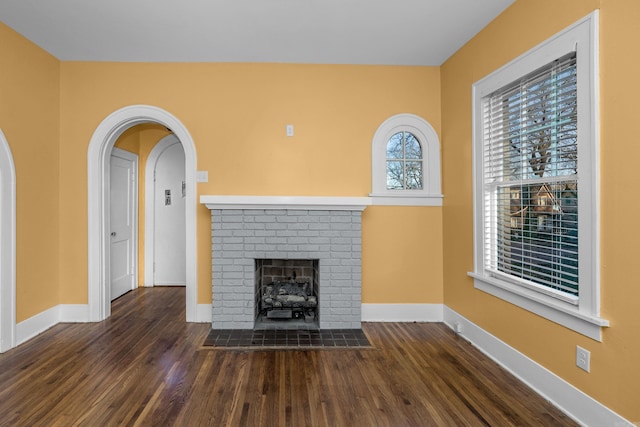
<point>286,293</point>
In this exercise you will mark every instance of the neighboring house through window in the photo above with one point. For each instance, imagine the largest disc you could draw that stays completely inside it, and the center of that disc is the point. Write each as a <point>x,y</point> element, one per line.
<point>406,162</point>
<point>536,180</point>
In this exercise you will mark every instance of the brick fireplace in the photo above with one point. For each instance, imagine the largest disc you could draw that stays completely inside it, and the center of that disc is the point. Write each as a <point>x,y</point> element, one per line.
<point>245,229</point>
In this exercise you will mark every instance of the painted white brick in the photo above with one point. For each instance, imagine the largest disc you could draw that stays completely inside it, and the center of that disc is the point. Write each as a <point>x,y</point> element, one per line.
<point>226,246</point>
<point>265,218</point>
<point>286,218</point>
<point>254,226</point>
<point>297,227</point>
<point>323,235</point>
<point>222,261</point>
<point>244,233</point>
<point>319,226</point>
<point>277,226</point>
<point>232,268</point>
<point>230,254</point>
<point>228,218</point>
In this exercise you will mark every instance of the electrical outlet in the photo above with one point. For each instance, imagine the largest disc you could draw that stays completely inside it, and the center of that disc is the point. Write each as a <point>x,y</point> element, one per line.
<point>583,358</point>
<point>289,130</point>
<point>458,328</point>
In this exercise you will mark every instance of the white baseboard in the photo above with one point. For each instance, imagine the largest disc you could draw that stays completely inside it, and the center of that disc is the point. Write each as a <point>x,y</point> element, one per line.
<point>37,324</point>
<point>74,313</point>
<point>204,313</point>
<point>402,312</point>
<point>575,403</point>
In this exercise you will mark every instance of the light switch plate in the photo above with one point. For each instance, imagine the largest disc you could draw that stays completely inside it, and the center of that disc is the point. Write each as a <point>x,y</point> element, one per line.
<point>202,176</point>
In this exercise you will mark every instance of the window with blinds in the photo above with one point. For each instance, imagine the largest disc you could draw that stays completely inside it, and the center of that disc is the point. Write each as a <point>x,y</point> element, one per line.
<point>530,179</point>
<point>535,149</point>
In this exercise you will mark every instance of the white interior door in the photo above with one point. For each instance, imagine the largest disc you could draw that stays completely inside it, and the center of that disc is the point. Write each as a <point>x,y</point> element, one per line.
<point>169,217</point>
<point>123,214</point>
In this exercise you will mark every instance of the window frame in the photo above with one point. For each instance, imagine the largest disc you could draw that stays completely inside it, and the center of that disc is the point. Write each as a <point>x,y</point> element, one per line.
<point>583,317</point>
<point>431,193</point>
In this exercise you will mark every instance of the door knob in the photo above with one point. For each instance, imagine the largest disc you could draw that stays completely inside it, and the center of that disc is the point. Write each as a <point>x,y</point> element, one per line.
<point>113,234</point>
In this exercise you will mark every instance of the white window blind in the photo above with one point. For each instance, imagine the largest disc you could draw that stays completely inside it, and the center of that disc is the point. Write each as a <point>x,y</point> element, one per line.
<point>530,179</point>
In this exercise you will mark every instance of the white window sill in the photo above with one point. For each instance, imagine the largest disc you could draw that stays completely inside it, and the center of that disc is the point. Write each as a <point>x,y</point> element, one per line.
<point>405,199</point>
<point>542,305</point>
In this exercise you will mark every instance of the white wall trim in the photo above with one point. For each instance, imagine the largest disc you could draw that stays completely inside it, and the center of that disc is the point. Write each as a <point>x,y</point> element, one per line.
<point>98,158</point>
<point>575,403</point>
<point>402,312</point>
<point>549,308</point>
<point>205,313</point>
<point>35,325</point>
<point>286,202</point>
<point>318,202</point>
<point>74,313</point>
<point>149,200</point>
<point>405,200</point>
<point>7,247</point>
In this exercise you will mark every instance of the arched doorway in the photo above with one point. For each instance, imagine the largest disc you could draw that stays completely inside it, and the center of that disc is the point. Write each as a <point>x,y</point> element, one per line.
<point>98,157</point>
<point>7,247</point>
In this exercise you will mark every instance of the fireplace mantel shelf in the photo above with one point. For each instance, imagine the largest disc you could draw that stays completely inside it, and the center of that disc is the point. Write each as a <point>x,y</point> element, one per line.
<point>286,202</point>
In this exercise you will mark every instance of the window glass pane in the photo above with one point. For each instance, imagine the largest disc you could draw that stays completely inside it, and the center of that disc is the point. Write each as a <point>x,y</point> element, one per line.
<point>412,147</point>
<point>395,176</point>
<point>541,117</point>
<point>394,146</point>
<point>403,174</point>
<point>414,175</point>
<point>538,234</point>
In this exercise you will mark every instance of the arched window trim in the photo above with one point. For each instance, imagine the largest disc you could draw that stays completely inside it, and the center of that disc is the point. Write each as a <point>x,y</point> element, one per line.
<point>431,194</point>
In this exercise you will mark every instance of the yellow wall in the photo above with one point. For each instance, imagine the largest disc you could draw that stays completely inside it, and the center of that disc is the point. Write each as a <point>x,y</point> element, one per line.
<point>401,255</point>
<point>30,120</point>
<point>236,114</point>
<point>615,378</point>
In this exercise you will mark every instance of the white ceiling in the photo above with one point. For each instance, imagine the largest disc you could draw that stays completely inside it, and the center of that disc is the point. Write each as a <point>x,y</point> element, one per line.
<point>391,32</point>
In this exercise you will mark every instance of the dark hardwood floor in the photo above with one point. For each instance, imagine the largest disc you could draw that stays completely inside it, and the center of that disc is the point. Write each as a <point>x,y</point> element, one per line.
<point>146,366</point>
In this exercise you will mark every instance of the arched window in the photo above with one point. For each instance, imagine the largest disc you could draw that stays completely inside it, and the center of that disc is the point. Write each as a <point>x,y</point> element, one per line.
<point>406,162</point>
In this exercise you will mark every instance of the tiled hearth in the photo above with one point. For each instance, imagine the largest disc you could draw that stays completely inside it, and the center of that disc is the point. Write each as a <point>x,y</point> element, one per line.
<point>246,229</point>
<point>290,338</point>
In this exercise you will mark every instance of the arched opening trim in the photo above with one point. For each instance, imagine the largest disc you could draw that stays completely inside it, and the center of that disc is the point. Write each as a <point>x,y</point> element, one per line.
<point>98,157</point>
<point>7,247</point>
